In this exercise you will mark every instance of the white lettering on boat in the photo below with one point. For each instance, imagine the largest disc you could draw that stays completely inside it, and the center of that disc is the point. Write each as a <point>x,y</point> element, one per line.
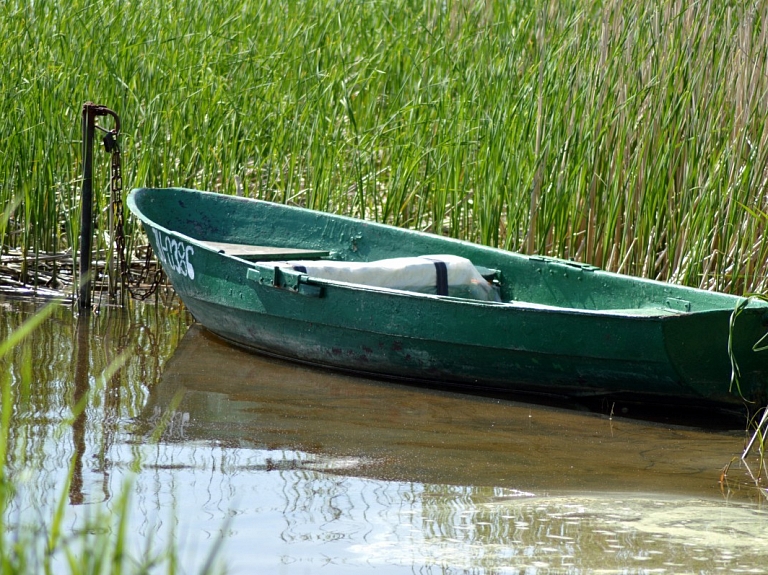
<point>174,254</point>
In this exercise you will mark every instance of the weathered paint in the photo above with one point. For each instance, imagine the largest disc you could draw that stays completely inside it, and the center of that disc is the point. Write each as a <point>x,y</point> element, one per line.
<point>561,326</point>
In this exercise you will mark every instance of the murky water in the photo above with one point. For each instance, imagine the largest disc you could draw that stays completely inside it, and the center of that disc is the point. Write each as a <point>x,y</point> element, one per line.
<point>311,472</point>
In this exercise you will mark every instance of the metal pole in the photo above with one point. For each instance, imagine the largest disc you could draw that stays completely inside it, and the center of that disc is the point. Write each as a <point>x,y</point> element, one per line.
<point>86,207</point>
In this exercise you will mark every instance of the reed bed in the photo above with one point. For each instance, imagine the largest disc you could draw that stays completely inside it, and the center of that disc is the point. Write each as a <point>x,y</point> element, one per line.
<point>628,135</point>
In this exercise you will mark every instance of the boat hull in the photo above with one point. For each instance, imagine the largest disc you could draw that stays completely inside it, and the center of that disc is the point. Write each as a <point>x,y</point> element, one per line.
<point>649,351</point>
<point>554,365</point>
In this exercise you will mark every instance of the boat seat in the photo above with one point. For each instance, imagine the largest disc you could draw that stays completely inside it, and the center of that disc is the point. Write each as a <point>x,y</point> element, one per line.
<point>264,253</point>
<point>446,275</point>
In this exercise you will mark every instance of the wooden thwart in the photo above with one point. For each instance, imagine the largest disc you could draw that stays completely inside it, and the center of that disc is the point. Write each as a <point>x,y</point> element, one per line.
<point>265,253</point>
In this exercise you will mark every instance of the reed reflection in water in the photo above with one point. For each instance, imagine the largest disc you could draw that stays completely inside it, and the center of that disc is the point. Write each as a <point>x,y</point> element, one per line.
<point>308,471</point>
<point>292,513</point>
<point>66,415</point>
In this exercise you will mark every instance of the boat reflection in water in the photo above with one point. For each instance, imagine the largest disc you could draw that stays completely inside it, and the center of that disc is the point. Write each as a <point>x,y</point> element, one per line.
<point>319,468</point>
<point>391,431</point>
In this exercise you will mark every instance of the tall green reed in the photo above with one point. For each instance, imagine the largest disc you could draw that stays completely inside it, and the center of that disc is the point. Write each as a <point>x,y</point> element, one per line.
<point>630,135</point>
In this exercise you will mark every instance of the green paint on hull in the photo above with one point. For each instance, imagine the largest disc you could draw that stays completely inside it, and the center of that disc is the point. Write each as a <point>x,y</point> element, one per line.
<point>560,327</point>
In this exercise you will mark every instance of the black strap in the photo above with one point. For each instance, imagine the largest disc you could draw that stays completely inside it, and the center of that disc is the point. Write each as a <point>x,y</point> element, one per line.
<point>441,284</point>
<point>302,269</point>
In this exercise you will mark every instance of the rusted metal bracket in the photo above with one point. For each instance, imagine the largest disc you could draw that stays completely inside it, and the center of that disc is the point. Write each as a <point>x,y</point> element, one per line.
<point>677,304</point>
<point>549,261</point>
<point>274,276</point>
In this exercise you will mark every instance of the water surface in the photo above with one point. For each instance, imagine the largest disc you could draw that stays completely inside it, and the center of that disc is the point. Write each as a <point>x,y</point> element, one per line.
<point>306,471</point>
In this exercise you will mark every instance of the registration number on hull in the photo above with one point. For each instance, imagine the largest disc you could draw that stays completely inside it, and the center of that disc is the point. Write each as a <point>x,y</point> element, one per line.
<point>175,254</point>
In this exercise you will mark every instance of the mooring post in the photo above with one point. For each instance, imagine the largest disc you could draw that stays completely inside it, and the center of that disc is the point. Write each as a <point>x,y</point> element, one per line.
<point>86,207</point>
<point>90,112</point>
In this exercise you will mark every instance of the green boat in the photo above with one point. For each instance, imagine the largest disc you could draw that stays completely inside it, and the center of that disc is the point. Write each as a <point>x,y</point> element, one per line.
<point>382,301</point>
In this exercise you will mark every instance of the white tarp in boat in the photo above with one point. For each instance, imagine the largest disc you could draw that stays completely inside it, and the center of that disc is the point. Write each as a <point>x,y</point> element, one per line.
<point>436,274</point>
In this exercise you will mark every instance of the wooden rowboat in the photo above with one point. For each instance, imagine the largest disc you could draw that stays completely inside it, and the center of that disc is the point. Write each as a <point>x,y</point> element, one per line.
<point>386,302</point>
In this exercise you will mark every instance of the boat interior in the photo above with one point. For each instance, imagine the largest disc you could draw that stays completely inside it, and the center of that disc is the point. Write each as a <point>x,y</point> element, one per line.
<point>267,234</point>
<point>544,282</point>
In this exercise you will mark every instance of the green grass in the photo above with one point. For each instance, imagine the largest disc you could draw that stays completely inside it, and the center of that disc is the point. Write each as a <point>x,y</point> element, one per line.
<point>629,135</point>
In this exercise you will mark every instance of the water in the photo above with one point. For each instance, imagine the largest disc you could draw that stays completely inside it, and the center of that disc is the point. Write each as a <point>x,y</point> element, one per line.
<point>305,471</point>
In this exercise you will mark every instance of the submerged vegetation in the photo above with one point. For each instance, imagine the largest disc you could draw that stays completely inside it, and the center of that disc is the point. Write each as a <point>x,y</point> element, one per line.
<point>629,135</point>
